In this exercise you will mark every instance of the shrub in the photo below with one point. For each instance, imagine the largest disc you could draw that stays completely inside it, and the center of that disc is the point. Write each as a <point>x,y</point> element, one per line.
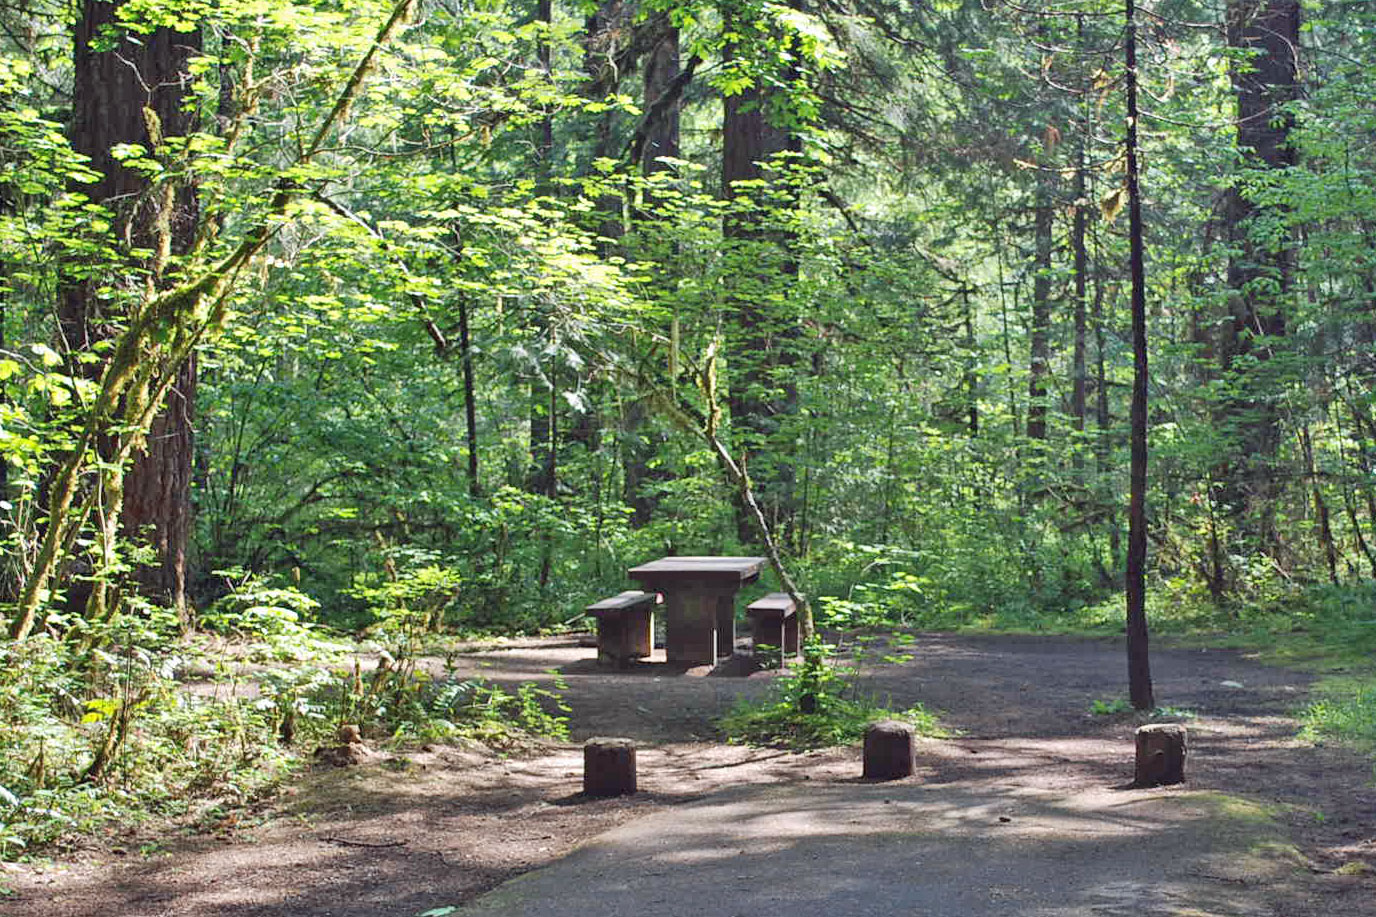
<point>816,706</point>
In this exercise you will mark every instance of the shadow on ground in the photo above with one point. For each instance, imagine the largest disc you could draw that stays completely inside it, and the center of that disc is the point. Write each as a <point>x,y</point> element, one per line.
<point>440,827</point>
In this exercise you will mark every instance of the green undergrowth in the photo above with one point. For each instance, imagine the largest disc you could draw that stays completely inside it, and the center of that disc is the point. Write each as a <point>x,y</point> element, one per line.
<point>817,705</point>
<point>1315,627</point>
<point>136,724</point>
<point>1122,707</point>
<point>1344,710</point>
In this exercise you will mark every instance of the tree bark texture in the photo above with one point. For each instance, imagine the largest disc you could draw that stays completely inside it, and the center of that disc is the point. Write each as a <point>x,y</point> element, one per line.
<point>7,582</point>
<point>470,400</point>
<point>1139,665</point>
<point>662,71</point>
<point>760,343</point>
<point>1261,266</point>
<point>1080,252</point>
<point>111,91</point>
<point>658,137</point>
<point>1040,330</point>
<point>543,395</point>
<point>1079,376</point>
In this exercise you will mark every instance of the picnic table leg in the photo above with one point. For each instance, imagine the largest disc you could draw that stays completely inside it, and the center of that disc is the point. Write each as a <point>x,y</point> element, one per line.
<point>690,626</point>
<point>726,624</point>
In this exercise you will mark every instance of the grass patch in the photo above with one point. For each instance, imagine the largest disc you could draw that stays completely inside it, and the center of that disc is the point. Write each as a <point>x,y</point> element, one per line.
<point>1121,706</point>
<point>1345,711</point>
<point>817,706</point>
<point>1237,809</point>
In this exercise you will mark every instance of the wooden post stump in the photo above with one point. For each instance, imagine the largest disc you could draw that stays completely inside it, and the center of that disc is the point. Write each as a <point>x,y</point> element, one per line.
<point>890,748</point>
<point>1160,755</point>
<point>609,767</point>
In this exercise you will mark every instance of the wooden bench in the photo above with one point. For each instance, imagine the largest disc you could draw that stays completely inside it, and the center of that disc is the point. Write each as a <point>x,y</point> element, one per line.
<point>774,622</point>
<point>625,627</point>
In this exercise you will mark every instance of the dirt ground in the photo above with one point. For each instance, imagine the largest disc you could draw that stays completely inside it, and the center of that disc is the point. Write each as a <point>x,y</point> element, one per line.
<point>438,827</point>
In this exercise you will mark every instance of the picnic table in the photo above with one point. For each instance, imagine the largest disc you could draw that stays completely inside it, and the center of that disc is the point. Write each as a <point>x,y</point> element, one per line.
<point>699,602</point>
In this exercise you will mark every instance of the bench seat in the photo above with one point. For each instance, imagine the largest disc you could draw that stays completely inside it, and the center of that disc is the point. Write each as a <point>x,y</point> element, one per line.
<point>625,627</point>
<point>774,622</point>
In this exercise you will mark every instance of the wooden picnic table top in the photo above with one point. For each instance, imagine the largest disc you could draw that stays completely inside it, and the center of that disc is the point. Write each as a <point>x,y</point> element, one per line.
<point>724,570</point>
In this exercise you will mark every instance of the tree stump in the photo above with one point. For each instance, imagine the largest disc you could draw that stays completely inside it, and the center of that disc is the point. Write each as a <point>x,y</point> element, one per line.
<point>609,767</point>
<point>1160,755</point>
<point>890,746</point>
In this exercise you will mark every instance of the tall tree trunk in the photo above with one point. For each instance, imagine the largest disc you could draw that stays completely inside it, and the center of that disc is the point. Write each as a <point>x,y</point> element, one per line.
<point>470,399</point>
<point>971,364</point>
<point>1103,417</point>
<point>1349,498</point>
<point>1262,266</point>
<point>659,138</point>
<point>662,71</point>
<point>1080,252</point>
<point>761,343</point>
<point>1139,665</point>
<point>1006,337</point>
<point>116,94</point>
<point>6,204</point>
<point>10,565</point>
<point>543,459</point>
<point>1040,329</point>
<point>1330,548</point>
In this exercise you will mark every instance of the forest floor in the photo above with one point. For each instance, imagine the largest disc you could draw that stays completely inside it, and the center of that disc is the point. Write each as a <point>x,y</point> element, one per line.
<point>439,826</point>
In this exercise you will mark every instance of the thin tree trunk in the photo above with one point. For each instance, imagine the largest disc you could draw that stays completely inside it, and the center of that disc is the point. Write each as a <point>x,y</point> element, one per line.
<point>1006,335</point>
<point>1039,365</point>
<point>1080,253</point>
<point>1217,575</point>
<point>971,365</point>
<point>544,15</point>
<point>542,423</point>
<point>1349,498</point>
<point>1330,549</point>
<point>1103,418</point>
<point>470,409</point>
<point>1139,666</point>
<point>7,583</point>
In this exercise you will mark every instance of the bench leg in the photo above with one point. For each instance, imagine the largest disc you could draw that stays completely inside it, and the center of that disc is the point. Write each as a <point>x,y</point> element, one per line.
<point>640,637</point>
<point>611,640</point>
<point>791,646</point>
<point>768,630</point>
<point>624,638</point>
